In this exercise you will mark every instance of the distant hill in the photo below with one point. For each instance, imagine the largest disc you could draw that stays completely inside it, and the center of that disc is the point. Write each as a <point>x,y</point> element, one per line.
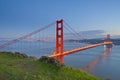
<point>95,41</point>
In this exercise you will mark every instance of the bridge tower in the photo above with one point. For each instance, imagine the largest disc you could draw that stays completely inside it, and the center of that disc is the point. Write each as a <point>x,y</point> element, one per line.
<point>108,40</point>
<point>59,40</point>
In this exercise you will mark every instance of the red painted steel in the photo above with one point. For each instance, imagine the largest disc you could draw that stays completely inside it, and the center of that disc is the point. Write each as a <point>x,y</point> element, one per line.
<point>59,53</point>
<point>80,49</point>
<point>59,40</point>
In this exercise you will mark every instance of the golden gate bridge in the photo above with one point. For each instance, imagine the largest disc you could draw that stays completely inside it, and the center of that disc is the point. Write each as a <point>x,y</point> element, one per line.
<point>59,52</point>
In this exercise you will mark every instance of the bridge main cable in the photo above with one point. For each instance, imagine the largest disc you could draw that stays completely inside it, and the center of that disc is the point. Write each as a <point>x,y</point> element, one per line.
<point>74,32</point>
<point>26,36</point>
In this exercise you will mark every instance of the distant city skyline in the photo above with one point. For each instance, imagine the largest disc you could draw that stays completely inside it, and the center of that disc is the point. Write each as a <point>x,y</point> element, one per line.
<point>19,17</point>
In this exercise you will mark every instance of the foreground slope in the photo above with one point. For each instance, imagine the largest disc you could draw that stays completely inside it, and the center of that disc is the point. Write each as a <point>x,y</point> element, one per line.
<point>16,67</point>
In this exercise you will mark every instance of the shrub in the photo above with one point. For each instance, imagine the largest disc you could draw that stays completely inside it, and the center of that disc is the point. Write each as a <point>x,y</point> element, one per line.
<point>51,60</point>
<point>17,54</point>
<point>33,58</point>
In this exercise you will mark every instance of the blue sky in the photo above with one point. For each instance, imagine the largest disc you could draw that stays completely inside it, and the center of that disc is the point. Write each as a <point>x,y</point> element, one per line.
<point>19,17</point>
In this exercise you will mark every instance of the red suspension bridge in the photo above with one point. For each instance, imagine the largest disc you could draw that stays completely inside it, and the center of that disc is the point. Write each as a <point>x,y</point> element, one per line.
<point>59,40</point>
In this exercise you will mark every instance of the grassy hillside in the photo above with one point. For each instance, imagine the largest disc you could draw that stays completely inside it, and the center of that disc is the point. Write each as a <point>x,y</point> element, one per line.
<point>15,67</point>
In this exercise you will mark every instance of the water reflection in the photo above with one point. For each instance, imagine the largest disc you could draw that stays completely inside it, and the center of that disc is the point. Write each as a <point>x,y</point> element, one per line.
<point>90,67</point>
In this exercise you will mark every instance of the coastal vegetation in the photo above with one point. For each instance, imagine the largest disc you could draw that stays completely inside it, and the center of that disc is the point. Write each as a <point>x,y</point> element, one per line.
<point>17,66</point>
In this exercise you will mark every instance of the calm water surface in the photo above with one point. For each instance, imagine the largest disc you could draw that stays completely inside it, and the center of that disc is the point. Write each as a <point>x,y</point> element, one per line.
<point>99,61</point>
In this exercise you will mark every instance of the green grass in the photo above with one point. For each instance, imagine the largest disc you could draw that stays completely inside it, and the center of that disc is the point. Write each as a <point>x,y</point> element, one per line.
<point>17,68</point>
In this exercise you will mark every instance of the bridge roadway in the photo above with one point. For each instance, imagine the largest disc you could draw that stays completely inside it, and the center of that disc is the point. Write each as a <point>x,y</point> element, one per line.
<point>80,49</point>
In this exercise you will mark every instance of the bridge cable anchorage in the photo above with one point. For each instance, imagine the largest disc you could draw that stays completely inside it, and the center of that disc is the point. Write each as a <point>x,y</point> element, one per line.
<point>26,36</point>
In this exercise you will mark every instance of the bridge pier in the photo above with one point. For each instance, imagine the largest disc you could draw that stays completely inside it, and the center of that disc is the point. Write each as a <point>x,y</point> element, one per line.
<point>109,45</point>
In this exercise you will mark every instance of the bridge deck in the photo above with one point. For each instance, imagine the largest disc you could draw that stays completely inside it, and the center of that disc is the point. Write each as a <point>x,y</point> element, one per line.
<point>80,49</point>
